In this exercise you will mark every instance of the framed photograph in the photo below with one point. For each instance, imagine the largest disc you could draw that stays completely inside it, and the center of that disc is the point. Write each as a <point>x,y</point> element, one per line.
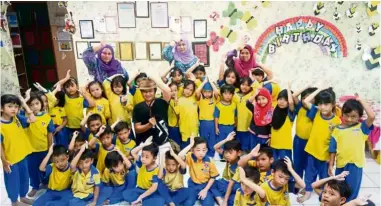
<point>140,51</point>
<point>142,9</point>
<point>154,50</point>
<point>159,15</point>
<point>16,41</point>
<point>94,43</point>
<point>12,19</point>
<point>61,35</point>
<point>81,46</point>
<point>201,50</point>
<point>64,46</point>
<point>126,51</point>
<point>86,29</point>
<point>200,28</point>
<point>126,15</point>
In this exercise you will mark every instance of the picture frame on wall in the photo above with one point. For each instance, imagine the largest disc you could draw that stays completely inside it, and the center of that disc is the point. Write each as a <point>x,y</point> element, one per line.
<point>126,51</point>
<point>86,28</point>
<point>64,46</point>
<point>141,52</point>
<point>142,9</point>
<point>200,28</point>
<point>126,15</point>
<point>159,15</point>
<point>81,46</point>
<point>201,50</point>
<point>94,43</point>
<point>154,51</point>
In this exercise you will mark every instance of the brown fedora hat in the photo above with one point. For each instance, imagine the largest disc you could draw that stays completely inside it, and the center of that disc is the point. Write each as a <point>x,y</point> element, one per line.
<point>147,84</point>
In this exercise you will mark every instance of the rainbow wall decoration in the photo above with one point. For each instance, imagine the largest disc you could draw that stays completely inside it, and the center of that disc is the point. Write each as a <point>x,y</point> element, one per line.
<point>307,29</point>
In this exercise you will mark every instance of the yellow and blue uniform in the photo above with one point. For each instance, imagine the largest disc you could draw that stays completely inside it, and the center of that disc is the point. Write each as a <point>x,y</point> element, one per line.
<point>38,132</point>
<point>246,199</point>
<point>146,178</point>
<point>16,146</point>
<point>281,139</point>
<point>226,114</point>
<point>173,123</point>
<point>201,171</point>
<point>277,196</point>
<point>74,111</point>
<point>244,117</point>
<point>102,107</point>
<point>222,184</point>
<point>207,129</point>
<point>58,115</point>
<point>274,90</point>
<point>171,187</point>
<point>117,110</point>
<point>126,148</point>
<point>101,156</point>
<point>52,100</point>
<point>83,186</point>
<point>137,94</point>
<point>348,143</point>
<point>186,108</point>
<point>113,184</point>
<point>318,144</point>
<point>58,186</point>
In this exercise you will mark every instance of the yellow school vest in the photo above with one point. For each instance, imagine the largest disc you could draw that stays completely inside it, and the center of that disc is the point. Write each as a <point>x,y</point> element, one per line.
<point>172,116</point>
<point>127,147</point>
<point>282,138</point>
<point>52,100</point>
<point>102,107</point>
<point>230,171</point>
<point>174,181</point>
<point>147,177</point>
<point>206,108</point>
<point>83,184</point>
<point>57,113</point>
<point>14,140</point>
<point>201,171</point>
<point>244,115</point>
<point>113,178</point>
<point>117,110</point>
<point>241,199</point>
<point>59,180</point>
<point>38,132</point>
<point>138,97</point>
<point>303,124</point>
<point>102,152</point>
<point>276,196</point>
<point>188,117</point>
<point>227,113</point>
<point>74,111</point>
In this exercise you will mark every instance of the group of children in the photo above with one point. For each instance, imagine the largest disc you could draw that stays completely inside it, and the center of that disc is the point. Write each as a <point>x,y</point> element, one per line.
<point>78,143</point>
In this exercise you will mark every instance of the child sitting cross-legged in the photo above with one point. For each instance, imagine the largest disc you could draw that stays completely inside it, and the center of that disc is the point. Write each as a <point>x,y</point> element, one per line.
<point>250,193</point>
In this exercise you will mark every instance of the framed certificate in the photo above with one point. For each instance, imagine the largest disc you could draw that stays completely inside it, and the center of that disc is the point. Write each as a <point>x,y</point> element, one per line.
<point>126,51</point>
<point>154,50</point>
<point>141,51</point>
<point>86,29</point>
<point>126,15</point>
<point>141,9</point>
<point>159,15</point>
<point>199,28</point>
<point>81,46</point>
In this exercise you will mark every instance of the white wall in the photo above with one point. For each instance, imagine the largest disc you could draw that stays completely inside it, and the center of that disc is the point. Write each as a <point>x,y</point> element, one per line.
<point>302,63</point>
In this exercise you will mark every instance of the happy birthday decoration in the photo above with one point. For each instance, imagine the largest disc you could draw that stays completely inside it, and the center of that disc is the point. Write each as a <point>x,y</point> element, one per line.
<point>303,28</point>
<point>233,13</point>
<point>351,12</point>
<point>373,28</point>
<point>373,8</point>
<point>319,8</point>
<point>371,57</point>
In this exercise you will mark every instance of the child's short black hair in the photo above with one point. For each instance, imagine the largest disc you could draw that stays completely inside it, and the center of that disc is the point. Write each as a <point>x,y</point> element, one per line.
<point>174,70</point>
<point>252,173</point>
<point>107,130</point>
<point>188,82</point>
<point>264,149</point>
<point>326,96</point>
<point>353,105</point>
<point>34,96</point>
<point>113,159</point>
<point>119,80</point>
<point>200,68</point>
<point>87,154</point>
<point>280,165</point>
<point>308,91</point>
<point>232,145</point>
<point>227,89</point>
<point>340,186</point>
<point>80,138</point>
<point>198,140</point>
<point>59,150</point>
<point>10,98</point>
<point>258,72</point>
<point>152,148</point>
<point>99,84</point>
<point>93,117</point>
<point>121,126</point>
<point>247,80</point>
<point>168,156</point>
<point>60,96</point>
<point>70,82</point>
<point>142,75</point>
<point>173,84</point>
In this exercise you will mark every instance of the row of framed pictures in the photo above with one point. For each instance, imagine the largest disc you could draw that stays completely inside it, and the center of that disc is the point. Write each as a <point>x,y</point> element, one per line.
<point>130,51</point>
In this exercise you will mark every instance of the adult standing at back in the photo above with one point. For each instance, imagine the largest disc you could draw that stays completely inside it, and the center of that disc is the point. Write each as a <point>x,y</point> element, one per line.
<point>244,63</point>
<point>101,63</point>
<point>181,52</point>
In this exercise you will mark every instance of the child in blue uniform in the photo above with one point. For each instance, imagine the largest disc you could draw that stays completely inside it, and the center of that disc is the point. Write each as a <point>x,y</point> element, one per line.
<point>348,142</point>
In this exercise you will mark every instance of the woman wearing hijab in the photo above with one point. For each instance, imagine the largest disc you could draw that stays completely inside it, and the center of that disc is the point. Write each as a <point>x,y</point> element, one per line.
<point>245,63</point>
<point>181,52</point>
<point>101,63</point>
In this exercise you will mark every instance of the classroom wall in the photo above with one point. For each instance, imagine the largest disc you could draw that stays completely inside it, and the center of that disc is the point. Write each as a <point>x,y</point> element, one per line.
<point>301,63</point>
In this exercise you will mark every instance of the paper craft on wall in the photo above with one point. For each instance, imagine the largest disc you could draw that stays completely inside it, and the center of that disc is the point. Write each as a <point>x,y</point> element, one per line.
<point>351,12</point>
<point>214,16</point>
<point>154,50</point>
<point>64,46</point>
<point>81,46</point>
<point>319,8</point>
<point>199,28</point>
<point>266,4</point>
<point>201,50</point>
<point>86,29</point>
<point>358,45</point>
<point>371,57</point>
<point>358,27</point>
<point>233,13</point>
<point>340,2</point>
<point>307,29</point>
<point>336,15</point>
<point>249,19</point>
<point>159,15</point>
<point>69,23</point>
<point>142,9</point>
<point>228,33</point>
<point>215,41</point>
<point>373,8</point>
<point>373,28</point>
<point>126,51</point>
<point>126,15</point>
<point>141,51</point>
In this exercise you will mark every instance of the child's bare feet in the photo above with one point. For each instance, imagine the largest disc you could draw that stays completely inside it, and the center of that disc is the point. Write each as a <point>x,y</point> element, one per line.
<point>32,193</point>
<point>26,201</point>
<point>304,198</point>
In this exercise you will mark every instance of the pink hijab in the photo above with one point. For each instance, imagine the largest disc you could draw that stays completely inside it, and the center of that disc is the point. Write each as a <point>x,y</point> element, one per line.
<point>243,67</point>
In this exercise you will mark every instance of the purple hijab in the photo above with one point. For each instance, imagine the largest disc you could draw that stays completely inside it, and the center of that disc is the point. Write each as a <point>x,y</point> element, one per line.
<point>112,67</point>
<point>183,57</point>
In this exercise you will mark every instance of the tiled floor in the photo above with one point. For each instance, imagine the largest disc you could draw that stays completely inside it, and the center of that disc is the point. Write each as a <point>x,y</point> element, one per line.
<point>370,185</point>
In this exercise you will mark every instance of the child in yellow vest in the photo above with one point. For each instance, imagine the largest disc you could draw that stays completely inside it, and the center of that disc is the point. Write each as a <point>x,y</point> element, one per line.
<point>102,105</point>
<point>123,141</point>
<point>250,193</point>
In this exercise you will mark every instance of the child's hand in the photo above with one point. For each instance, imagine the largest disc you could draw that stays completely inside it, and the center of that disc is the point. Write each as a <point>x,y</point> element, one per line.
<point>137,202</point>
<point>191,139</point>
<point>75,134</point>
<point>217,131</point>
<point>172,43</point>
<point>84,147</point>
<point>152,121</point>
<point>191,76</point>
<point>171,152</point>
<point>255,151</point>
<point>172,65</point>
<point>27,93</point>
<point>288,163</point>
<point>242,173</point>
<point>148,141</point>
<point>102,129</point>
<point>230,136</point>
<point>6,166</point>
<point>331,172</point>
<point>341,176</point>
<point>32,118</point>
<point>123,99</point>
<point>362,200</point>
<point>39,87</point>
<point>50,152</point>
<point>223,58</point>
<point>202,194</point>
